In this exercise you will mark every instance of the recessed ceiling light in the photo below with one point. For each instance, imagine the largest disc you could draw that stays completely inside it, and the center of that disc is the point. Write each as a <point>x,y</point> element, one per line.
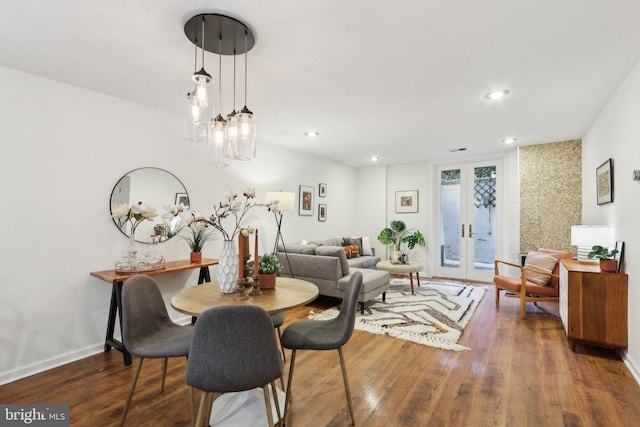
<point>374,158</point>
<point>312,133</point>
<point>509,140</point>
<point>496,94</point>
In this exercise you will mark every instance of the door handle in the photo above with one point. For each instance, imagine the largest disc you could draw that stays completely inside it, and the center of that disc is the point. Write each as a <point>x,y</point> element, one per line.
<point>462,230</point>
<point>471,233</point>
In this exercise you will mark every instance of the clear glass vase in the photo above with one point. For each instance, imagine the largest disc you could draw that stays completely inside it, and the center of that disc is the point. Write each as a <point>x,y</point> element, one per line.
<point>228,267</point>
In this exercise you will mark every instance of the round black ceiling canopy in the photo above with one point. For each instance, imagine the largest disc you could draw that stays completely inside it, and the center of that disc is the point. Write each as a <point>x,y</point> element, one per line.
<point>231,30</point>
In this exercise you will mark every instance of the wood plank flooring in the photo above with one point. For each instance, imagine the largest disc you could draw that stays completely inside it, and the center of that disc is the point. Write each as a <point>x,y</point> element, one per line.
<point>518,373</point>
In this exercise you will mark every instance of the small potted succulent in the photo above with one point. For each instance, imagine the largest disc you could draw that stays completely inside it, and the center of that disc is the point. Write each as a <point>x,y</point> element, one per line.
<point>268,266</point>
<point>606,257</point>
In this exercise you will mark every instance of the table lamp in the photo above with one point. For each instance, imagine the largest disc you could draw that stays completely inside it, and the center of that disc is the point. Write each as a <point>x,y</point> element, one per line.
<point>586,236</point>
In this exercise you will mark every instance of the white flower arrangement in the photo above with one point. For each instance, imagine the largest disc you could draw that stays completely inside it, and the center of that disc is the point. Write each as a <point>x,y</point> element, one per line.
<point>133,215</point>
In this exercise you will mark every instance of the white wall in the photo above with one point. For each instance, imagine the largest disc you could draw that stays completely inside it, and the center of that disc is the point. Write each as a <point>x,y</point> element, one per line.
<point>616,134</point>
<point>64,148</point>
<point>414,176</point>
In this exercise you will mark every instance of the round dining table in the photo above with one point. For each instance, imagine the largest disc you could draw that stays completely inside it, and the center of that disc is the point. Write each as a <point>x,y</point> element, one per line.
<point>288,293</point>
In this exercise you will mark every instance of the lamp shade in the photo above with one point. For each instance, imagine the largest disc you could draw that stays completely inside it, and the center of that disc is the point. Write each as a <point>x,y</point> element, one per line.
<point>591,235</point>
<point>286,200</point>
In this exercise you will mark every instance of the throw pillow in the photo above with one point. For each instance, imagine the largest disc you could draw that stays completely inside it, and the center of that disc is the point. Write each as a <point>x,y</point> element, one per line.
<point>347,251</point>
<point>354,251</point>
<point>354,241</point>
<point>366,246</point>
<point>540,261</point>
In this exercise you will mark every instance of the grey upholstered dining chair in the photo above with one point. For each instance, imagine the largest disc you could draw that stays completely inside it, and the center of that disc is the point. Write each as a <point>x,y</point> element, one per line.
<point>147,330</point>
<point>324,335</point>
<point>233,349</point>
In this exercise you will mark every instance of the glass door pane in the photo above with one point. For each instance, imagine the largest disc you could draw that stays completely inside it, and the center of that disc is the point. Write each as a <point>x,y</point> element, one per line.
<point>450,221</point>
<point>484,217</point>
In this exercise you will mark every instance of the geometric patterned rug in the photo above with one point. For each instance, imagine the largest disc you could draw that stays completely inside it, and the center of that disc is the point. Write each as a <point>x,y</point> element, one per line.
<point>435,316</point>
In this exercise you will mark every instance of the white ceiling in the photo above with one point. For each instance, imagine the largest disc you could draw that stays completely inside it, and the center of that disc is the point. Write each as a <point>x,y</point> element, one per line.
<point>403,80</point>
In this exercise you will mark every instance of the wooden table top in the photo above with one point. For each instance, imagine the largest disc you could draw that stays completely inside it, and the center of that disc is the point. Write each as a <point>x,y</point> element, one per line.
<point>287,294</point>
<point>169,267</point>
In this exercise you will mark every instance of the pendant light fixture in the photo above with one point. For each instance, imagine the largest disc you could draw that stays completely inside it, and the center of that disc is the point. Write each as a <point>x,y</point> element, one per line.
<point>246,125</point>
<point>218,130</point>
<point>233,138</point>
<point>202,80</point>
<point>193,129</point>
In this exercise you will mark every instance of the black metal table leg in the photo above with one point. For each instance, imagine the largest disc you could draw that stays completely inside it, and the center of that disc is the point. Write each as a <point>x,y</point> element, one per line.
<point>116,308</point>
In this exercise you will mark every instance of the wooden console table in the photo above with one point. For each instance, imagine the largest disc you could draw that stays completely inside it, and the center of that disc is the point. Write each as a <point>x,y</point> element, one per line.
<point>593,305</point>
<point>117,280</point>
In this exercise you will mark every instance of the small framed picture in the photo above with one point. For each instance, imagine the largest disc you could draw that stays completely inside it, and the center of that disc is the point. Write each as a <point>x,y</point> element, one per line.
<point>407,201</point>
<point>182,198</point>
<point>322,190</point>
<point>305,198</point>
<point>322,212</point>
<point>604,182</point>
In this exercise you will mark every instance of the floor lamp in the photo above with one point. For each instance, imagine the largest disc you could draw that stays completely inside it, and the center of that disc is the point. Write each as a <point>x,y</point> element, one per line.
<point>286,202</point>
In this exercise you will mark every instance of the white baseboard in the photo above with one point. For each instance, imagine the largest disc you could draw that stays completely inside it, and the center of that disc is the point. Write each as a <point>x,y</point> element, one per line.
<point>53,362</point>
<point>632,365</point>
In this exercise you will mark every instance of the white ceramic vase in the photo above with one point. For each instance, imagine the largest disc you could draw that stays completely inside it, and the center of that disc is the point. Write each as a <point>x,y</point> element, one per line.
<point>228,267</point>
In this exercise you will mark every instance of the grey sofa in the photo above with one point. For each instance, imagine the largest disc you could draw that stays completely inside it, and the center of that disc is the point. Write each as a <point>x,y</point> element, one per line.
<point>327,266</point>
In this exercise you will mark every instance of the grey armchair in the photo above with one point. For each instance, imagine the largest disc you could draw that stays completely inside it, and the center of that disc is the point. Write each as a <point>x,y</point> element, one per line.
<point>324,335</point>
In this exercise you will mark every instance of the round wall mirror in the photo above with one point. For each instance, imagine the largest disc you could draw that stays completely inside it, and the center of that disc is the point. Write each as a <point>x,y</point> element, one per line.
<point>154,187</point>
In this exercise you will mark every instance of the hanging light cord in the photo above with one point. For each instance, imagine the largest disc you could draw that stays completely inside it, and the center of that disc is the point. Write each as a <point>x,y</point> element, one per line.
<point>203,19</point>
<point>220,74</point>
<point>246,49</point>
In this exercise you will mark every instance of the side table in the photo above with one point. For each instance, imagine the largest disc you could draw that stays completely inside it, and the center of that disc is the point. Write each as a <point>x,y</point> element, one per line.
<point>117,280</point>
<point>406,268</point>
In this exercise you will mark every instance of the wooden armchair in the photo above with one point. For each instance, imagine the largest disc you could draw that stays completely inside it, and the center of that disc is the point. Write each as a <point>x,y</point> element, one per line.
<point>532,285</point>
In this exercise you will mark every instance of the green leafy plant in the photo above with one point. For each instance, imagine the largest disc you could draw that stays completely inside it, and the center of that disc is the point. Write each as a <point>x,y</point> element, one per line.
<point>268,264</point>
<point>398,233</point>
<point>602,253</point>
<point>199,235</point>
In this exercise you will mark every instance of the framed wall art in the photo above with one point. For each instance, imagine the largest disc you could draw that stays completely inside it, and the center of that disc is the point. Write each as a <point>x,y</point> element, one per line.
<point>407,201</point>
<point>182,198</point>
<point>322,212</point>
<point>604,182</point>
<point>305,198</point>
<point>322,190</point>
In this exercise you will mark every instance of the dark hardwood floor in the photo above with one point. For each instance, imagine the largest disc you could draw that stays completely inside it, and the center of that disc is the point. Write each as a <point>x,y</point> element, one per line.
<point>518,373</point>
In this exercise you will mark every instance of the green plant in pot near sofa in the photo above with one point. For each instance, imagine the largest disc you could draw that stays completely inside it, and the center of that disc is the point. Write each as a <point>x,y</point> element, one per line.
<point>268,266</point>
<point>606,257</point>
<point>397,234</point>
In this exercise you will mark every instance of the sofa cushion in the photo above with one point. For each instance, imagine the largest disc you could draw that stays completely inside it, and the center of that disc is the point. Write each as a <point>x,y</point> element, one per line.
<point>540,261</point>
<point>364,262</point>
<point>308,249</point>
<point>371,279</point>
<point>336,251</point>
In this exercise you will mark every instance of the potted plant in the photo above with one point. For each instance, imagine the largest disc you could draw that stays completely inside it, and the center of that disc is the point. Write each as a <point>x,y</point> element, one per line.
<point>268,266</point>
<point>397,234</point>
<point>198,237</point>
<point>159,229</point>
<point>607,261</point>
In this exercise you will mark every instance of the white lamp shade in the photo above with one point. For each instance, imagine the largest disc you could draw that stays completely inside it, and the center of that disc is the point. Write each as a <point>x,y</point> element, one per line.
<point>286,200</point>
<point>591,235</point>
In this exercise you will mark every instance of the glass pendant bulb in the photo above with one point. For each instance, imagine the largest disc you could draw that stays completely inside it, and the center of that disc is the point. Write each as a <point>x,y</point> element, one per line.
<point>217,139</point>
<point>231,150</point>
<point>246,135</point>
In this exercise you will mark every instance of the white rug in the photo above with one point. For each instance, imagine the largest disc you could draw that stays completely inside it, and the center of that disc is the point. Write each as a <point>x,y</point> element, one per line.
<point>435,316</point>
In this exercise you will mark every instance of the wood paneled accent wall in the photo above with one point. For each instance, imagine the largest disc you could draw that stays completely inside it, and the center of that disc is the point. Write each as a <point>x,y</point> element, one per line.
<point>550,194</point>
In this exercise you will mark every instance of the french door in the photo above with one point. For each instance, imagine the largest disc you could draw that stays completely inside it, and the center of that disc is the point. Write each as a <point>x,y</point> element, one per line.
<point>468,198</point>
